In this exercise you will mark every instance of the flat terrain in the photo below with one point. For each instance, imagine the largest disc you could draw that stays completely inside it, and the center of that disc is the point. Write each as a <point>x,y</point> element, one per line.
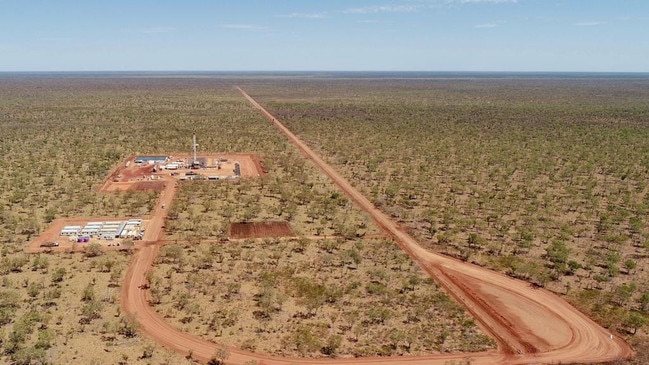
<point>556,332</point>
<point>141,176</point>
<point>528,323</point>
<point>303,298</point>
<point>61,139</point>
<point>541,179</point>
<point>260,230</point>
<point>66,244</point>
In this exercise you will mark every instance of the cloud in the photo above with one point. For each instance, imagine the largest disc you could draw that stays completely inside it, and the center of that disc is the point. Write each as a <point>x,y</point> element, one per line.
<point>383,9</point>
<point>589,24</point>
<point>158,30</point>
<point>418,5</point>
<point>481,1</point>
<point>305,15</point>
<point>486,25</point>
<point>242,26</point>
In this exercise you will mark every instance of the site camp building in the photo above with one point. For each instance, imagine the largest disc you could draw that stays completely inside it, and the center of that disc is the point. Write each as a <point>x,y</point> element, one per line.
<point>151,159</point>
<point>105,230</point>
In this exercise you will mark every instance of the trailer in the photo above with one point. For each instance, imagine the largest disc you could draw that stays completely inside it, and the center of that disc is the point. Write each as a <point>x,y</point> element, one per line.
<point>89,231</point>
<point>107,236</point>
<point>70,230</point>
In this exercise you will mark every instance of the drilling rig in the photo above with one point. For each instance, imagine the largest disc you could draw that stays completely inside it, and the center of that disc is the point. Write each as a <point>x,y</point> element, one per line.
<point>195,163</point>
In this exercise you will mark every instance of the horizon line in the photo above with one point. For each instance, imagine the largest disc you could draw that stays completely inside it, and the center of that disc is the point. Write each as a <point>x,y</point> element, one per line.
<point>315,71</point>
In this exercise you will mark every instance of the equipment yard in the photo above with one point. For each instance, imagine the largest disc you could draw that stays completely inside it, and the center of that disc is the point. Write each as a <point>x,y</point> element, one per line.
<point>150,172</point>
<point>74,234</point>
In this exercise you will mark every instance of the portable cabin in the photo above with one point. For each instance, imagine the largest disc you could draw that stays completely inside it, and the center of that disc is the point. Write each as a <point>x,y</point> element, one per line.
<point>90,231</point>
<point>107,235</point>
<point>70,230</point>
<point>120,229</point>
<point>150,159</point>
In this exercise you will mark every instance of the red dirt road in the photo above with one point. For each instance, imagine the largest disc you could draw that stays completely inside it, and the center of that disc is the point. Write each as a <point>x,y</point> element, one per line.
<point>531,326</point>
<point>532,322</point>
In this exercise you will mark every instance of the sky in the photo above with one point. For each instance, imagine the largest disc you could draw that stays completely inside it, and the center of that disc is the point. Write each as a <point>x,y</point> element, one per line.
<point>327,35</point>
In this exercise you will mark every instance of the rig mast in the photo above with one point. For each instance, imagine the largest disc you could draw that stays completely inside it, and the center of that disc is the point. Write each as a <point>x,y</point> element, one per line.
<point>195,162</point>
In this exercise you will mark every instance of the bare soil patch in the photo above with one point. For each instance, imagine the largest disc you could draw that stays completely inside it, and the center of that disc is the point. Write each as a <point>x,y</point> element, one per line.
<point>53,234</point>
<point>259,165</point>
<point>149,185</point>
<point>260,230</point>
<point>144,177</point>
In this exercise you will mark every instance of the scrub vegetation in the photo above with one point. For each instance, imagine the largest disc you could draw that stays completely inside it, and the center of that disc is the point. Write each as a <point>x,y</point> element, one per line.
<point>543,179</point>
<point>61,136</point>
<point>301,297</point>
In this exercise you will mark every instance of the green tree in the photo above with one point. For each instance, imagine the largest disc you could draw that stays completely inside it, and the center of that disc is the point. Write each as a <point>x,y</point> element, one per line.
<point>630,265</point>
<point>332,346</point>
<point>92,249</point>
<point>34,289</point>
<point>222,353</point>
<point>557,252</point>
<point>88,293</point>
<point>305,340</point>
<point>58,275</point>
<point>635,321</point>
<point>644,302</point>
<point>127,327</point>
<point>28,356</point>
<point>475,242</point>
<point>92,310</point>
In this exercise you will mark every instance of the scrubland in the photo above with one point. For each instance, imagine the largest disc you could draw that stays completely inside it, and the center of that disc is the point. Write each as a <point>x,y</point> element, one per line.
<point>61,136</point>
<point>543,179</point>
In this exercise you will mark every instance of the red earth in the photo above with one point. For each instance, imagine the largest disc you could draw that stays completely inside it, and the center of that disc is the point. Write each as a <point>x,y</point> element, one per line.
<point>131,176</point>
<point>530,325</point>
<point>149,185</point>
<point>260,230</point>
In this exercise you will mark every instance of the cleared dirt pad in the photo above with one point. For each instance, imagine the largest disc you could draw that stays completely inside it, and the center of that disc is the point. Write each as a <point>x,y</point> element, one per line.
<point>52,234</point>
<point>149,185</point>
<point>260,230</point>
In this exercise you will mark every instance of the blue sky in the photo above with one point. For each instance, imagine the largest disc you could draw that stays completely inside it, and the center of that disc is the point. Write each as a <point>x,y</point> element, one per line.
<point>355,35</point>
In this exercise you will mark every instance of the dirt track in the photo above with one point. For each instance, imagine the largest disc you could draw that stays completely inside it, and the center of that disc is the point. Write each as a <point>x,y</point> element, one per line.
<point>530,325</point>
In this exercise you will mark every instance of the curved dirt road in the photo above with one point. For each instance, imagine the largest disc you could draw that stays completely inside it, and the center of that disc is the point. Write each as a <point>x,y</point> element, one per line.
<point>530,325</point>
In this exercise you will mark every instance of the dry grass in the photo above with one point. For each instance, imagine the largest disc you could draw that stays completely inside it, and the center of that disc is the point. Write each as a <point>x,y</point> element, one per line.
<point>545,179</point>
<point>64,309</point>
<point>310,298</point>
<point>61,138</point>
